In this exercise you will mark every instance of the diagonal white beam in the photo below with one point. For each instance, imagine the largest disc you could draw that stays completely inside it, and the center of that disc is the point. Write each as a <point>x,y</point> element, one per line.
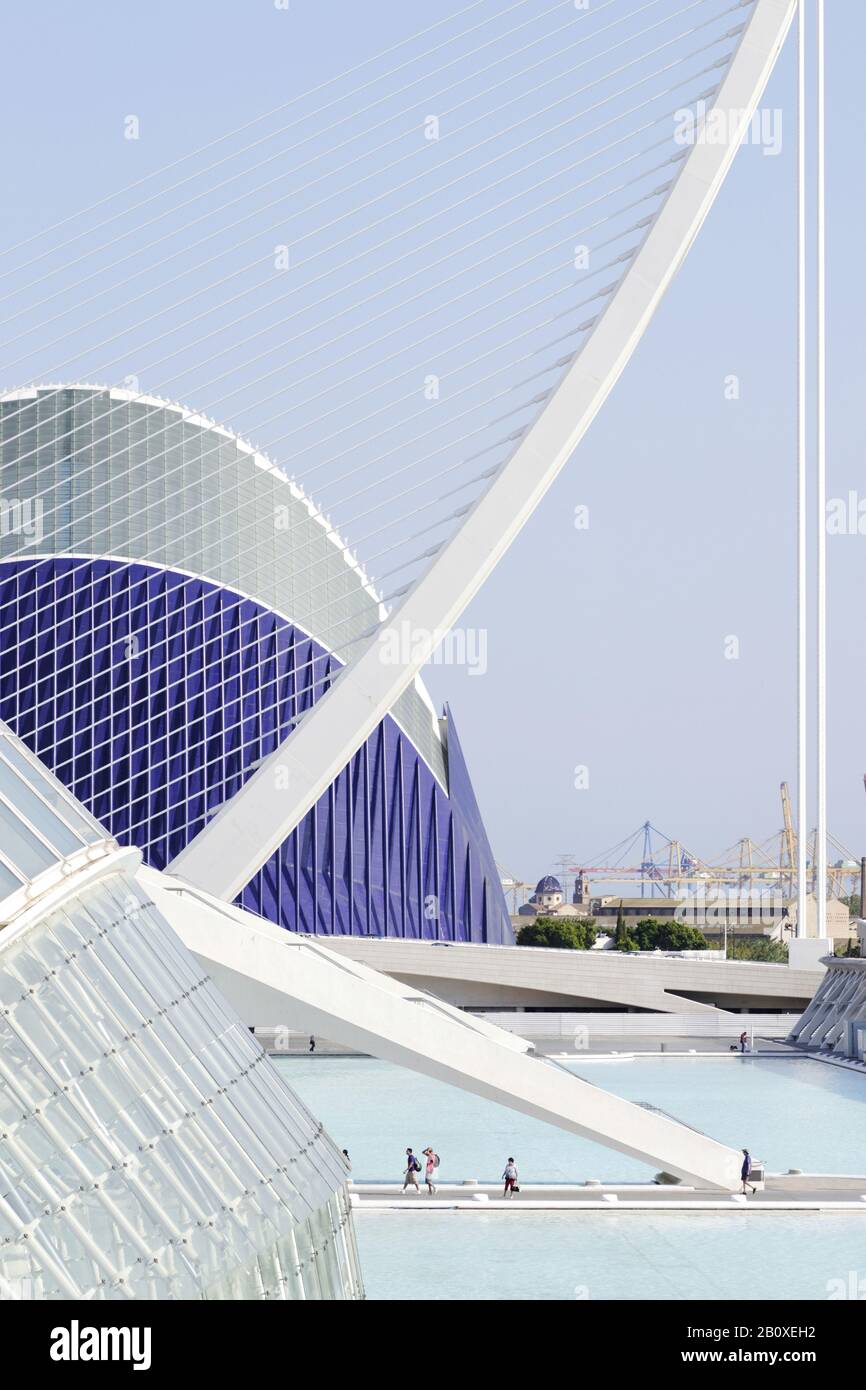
<point>248,829</point>
<point>273,976</point>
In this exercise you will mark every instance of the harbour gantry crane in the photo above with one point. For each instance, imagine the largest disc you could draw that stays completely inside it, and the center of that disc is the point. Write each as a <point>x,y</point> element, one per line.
<point>667,868</point>
<point>788,855</point>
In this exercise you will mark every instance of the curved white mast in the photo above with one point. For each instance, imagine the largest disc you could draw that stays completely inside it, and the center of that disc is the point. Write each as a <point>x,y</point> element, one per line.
<point>249,828</point>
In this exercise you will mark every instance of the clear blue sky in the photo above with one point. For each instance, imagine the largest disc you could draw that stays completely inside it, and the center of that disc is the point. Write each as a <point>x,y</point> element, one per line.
<point>606,646</point>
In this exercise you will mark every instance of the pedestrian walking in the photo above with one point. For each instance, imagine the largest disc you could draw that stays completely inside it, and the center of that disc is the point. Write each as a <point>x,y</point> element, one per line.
<point>413,1168</point>
<point>312,1043</point>
<point>430,1170</point>
<point>746,1172</point>
<point>510,1177</point>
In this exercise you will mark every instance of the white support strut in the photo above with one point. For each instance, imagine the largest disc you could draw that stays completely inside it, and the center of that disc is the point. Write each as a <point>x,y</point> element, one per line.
<point>254,823</point>
<point>270,974</point>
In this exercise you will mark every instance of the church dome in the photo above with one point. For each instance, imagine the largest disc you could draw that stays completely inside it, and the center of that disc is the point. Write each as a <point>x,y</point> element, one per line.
<point>548,884</point>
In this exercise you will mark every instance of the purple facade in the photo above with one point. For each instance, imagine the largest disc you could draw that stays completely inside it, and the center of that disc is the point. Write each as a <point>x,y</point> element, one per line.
<point>153,695</point>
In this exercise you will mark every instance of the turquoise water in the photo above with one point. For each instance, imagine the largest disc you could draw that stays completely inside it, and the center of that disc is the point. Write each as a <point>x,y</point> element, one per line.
<point>791,1113</point>
<point>624,1255</point>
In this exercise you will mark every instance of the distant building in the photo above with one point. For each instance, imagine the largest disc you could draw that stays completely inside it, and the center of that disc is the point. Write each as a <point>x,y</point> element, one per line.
<point>714,911</point>
<point>606,910</point>
<point>548,900</point>
<point>769,914</point>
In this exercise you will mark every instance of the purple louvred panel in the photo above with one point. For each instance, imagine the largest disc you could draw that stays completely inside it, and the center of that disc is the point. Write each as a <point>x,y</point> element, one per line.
<point>152,695</point>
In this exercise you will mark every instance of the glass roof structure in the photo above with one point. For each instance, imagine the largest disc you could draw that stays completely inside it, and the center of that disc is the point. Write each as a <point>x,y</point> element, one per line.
<point>150,1148</point>
<point>43,829</point>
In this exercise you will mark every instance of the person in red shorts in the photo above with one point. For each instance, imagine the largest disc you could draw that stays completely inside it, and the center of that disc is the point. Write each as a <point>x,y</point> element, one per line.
<point>510,1178</point>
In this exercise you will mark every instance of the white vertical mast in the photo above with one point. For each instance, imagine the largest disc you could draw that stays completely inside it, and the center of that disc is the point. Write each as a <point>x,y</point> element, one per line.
<point>821,490</point>
<point>802,654</point>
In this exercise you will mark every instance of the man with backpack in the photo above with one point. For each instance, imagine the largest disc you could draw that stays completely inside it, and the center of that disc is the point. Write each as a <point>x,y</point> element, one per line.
<point>432,1165</point>
<point>413,1168</point>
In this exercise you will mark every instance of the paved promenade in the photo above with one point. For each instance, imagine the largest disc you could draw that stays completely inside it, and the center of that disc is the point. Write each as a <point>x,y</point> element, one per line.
<point>782,1192</point>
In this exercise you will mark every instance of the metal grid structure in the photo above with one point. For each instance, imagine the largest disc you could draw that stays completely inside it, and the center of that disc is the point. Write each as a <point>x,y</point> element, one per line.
<point>150,1149</point>
<point>153,690</point>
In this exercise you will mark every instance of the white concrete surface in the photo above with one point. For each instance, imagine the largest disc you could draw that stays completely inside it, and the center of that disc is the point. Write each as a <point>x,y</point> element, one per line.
<point>581,1031</point>
<point>839,1003</point>
<point>808,952</point>
<point>484,977</point>
<point>805,1193</point>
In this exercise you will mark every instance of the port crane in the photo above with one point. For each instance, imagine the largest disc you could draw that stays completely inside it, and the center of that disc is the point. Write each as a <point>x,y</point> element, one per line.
<point>660,866</point>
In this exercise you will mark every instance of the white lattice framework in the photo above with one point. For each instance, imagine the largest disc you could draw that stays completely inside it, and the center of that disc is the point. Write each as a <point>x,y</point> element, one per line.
<point>150,1149</point>
<point>244,834</point>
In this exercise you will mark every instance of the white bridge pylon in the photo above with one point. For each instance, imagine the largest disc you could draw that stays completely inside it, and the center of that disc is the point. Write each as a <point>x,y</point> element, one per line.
<point>277,977</point>
<point>249,828</point>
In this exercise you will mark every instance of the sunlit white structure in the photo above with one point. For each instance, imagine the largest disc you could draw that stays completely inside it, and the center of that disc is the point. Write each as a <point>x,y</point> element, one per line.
<point>130,1088</point>
<point>221,686</point>
<point>150,1149</point>
<point>835,1020</point>
<point>296,982</point>
<point>246,830</point>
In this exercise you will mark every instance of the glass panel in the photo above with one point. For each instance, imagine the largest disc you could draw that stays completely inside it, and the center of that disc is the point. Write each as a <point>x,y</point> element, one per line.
<point>152,1069</point>
<point>53,793</point>
<point>21,847</point>
<point>8,882</point>
<point>37,811</point>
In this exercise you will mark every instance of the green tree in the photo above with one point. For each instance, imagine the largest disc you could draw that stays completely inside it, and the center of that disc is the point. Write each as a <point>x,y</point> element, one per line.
<point>653,935</point>
<point>623,939</point>
<point>852,902</point>
<point>847,946</point>
<point>563,933</point>
<point>758,948</point>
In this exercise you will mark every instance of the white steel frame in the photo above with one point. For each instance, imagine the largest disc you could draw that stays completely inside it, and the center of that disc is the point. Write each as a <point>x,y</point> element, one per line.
<point>248,830</point>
